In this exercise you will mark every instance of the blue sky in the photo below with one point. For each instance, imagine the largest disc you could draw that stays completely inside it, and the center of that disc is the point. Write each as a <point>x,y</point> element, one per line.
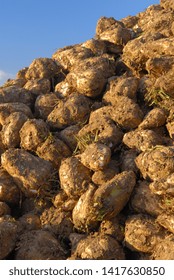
<point>36,28</point>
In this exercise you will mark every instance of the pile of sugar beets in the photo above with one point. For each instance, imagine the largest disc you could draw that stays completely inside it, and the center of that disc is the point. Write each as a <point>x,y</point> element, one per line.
<point>87,147</point>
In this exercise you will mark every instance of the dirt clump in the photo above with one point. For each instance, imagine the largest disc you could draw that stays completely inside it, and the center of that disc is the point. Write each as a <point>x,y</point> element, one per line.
<point>113,227</point>
<point>87,147</point>
<point>29,221</point>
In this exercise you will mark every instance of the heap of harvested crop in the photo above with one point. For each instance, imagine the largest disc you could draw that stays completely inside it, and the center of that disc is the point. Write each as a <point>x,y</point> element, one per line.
<point>86,144</point>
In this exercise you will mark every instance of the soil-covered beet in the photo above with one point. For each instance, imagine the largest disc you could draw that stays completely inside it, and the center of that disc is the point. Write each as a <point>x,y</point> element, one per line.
<point>127,160</point>
<point>166,220</point>
<point>96,156</point>
<point>126,112</point>
<point>37,86</point>
<point>99,47</point>
<point>9,191</point>
<point>74,177</point>
<point>58,222</point>
<point>164,250</point>
<point>102,176</point>
<point>75,109</point>
<point>8,108</point>
<point>142,233</point>
<point>164,186</point>
<point>143,200</point>
<point>106,201</point>
<point>29,221</point>
<point>142,139</point>
<point>33,133</point>
<point>11,128</point>
<point>4,209</point>
<point>71,55</point>
<point>87,147</point>
<point>155,118</point>
<point>113,227</point>
<point>8,235</point>
<point>39,245</point>
<point>42,68</point>
<point>89,77</point>
<point>13,94</point>
<point>126,86</point>
<point>101,130</point>
<point>45,103</point>
<point>70,136</point>
<point>29,172</point>
<point>156,163</point>
<point>98,247</point>
<point>53,150</point>
<point>114,31</point>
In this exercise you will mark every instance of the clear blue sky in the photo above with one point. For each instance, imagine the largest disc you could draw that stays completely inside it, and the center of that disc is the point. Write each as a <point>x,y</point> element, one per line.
<point>36,28</point>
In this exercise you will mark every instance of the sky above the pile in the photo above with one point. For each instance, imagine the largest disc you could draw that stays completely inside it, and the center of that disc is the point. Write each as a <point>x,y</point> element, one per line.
<point>36,28</point>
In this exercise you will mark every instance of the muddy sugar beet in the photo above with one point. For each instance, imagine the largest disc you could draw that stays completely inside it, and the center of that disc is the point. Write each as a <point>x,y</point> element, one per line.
<point>86,147</point>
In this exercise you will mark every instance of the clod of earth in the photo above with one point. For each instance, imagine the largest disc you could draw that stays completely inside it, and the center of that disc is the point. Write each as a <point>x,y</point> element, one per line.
<point>86,146</point>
